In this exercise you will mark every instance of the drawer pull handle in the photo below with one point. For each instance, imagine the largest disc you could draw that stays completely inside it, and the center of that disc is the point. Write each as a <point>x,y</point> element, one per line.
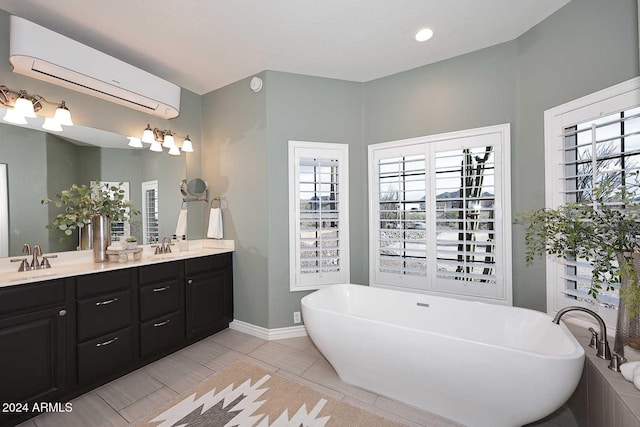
<point>109,301</point>
<point>157,325</point>
<point>190,281</point>
<point>161,289</point>
<point>106,342</point>
<point>62,313</point>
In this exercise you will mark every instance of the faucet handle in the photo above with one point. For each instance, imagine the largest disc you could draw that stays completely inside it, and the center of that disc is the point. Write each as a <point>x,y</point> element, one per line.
<point>157,251</point>
<point>24,263</point>
<point>594,338</point>
<point>616,361</point>
<point>45,261</point>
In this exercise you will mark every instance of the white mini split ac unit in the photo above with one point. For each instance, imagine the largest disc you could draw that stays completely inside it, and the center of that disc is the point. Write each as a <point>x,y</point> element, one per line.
<point>40,53</point>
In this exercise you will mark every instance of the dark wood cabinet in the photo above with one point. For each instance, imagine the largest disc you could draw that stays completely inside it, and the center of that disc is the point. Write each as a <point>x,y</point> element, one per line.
<point>64,337</point>
<point>209,295</point>
<point>106,334</point>
<point>161,308</point>
<point>35,351</point>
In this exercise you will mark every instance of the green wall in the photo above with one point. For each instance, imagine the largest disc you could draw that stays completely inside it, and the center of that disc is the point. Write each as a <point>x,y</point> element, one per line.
<point>240,136</point>
<point>584,47</point>
<point>25,153</point>
<point>304,108</point>
<point>234,163</point>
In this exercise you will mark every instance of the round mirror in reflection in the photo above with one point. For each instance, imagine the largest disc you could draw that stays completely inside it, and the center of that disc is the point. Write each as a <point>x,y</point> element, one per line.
<point>197,187</point>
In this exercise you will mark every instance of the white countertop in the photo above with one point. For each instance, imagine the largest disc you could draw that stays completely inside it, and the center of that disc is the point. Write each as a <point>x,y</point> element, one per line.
<point>75,263</point>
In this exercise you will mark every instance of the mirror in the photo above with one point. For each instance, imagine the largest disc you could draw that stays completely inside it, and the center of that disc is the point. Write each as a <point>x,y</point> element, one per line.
<point>195,187</point>
<point>41,164</point>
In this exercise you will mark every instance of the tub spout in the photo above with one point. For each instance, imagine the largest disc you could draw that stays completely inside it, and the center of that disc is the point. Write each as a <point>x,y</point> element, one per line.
<point>602,345</point>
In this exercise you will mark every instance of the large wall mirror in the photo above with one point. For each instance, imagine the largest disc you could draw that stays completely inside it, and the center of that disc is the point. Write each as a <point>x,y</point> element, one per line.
<point>40,164</point>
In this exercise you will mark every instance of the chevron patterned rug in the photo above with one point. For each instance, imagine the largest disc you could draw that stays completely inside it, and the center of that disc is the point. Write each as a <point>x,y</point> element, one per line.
<point>243,395</point>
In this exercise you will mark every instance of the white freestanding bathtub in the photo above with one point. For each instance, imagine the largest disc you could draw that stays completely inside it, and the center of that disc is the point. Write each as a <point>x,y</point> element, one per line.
<point>474,363</point>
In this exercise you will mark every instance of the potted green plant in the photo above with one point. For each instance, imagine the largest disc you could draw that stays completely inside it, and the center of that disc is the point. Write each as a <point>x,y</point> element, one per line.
<point>98,205</point>
<point>132,242</point>
<point>603,229</point>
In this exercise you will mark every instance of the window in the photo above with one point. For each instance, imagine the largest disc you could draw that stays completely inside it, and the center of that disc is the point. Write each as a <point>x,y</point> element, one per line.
<point>586,141</point>
<point>440,214</point>
<point>150,211</point>
<point>318,214</point>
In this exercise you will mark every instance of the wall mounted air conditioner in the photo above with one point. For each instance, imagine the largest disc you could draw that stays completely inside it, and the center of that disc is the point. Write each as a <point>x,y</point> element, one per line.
<point>40,53</point>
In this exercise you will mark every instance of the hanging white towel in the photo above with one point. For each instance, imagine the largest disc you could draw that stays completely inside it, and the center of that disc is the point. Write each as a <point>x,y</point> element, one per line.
<point>215,224</point>
<point>181,227</point>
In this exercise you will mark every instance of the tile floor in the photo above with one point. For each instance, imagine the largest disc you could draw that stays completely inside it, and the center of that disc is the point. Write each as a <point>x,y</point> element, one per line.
<point>127,399</point>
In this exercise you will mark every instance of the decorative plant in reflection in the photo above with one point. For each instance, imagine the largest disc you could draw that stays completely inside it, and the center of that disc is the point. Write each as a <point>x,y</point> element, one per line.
<point>82,202</point>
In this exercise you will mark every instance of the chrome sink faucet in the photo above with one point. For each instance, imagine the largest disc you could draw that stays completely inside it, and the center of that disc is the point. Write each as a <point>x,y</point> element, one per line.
<point>35,264</point>
<point>602,345</point>
<point>165,247</point>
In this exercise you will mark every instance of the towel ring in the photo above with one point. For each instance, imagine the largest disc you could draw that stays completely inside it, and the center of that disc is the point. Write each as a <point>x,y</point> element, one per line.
<point>184,202</point>
<point>216,203</point>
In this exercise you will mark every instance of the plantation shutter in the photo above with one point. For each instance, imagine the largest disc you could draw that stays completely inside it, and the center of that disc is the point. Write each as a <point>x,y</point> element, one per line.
<point>320,226</point>
<point>150,211</point>
<point>592,151</point>
<point>438,214</point>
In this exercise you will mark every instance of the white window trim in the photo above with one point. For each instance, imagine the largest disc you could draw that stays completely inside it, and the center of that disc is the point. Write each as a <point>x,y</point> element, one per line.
<point>146,186</point>
<point>602,103</point>
<point>504,132</point>
<point>299,149</point>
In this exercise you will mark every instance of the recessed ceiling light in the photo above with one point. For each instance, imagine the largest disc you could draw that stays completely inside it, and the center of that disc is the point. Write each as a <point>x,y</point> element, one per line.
<point>424,34</point>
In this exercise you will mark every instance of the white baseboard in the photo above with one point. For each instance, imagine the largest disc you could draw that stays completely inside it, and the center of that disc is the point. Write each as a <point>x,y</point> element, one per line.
<point>268,334</point>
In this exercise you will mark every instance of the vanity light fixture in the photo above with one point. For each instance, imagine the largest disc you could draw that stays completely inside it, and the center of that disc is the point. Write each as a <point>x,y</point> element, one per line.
<point>51,124</point>
<point>134,142</point>
<point>20,106</point>
<point>187,147</point>
<point>163,138</point>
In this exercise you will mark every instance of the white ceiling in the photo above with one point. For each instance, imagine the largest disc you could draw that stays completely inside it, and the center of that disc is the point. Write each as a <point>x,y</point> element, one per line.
<point>202,45</point>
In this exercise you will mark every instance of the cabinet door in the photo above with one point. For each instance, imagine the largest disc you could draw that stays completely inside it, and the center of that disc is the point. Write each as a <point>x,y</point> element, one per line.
<point>33,355</point>
<point>206,312</point>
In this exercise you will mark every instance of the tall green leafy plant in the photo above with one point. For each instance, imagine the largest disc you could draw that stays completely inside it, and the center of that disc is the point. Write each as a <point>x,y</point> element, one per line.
<point>81,202</point>
<point>602,230</point>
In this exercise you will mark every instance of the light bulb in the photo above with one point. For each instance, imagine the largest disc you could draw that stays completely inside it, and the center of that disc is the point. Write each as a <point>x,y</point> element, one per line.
<point>174,151</point>
<point>51,124</point>
<point>134,142</point>
<point>63,115</point>
<point>169,142</point>
<point>156,146</point>
<point>186,145</point>
<point>147,135</point>
<point>24,107</point>
<point>12,116</point>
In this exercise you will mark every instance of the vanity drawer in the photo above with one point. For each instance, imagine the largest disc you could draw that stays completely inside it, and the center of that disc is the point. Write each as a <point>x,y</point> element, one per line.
<point>159,272</point>
<point>32,296</point>
<point>102,283</point>
<point>161,334</point>
<point>104,355</point>
<point>106,313</point>
<point>159,299</point>
<point>208,263</point>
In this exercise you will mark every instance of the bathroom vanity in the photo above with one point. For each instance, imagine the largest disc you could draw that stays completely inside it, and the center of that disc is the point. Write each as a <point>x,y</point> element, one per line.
<point>65,333</point>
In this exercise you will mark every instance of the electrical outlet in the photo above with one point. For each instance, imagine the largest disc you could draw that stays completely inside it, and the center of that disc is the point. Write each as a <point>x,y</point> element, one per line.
<point>296,317</point>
